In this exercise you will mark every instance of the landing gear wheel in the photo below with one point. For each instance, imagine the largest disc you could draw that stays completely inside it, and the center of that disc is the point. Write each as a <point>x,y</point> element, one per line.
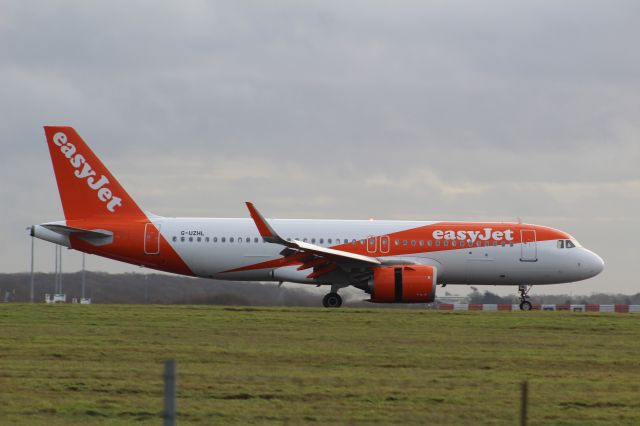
<point>525,306</point>
<point>332,300</point>
<point>524,290</point>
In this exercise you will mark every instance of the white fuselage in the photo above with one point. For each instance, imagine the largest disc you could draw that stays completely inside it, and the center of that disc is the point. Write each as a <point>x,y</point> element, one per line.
<point>210,247</point>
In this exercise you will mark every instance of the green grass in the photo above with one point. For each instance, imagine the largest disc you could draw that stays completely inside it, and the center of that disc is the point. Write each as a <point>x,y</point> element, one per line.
<point>77,364</point>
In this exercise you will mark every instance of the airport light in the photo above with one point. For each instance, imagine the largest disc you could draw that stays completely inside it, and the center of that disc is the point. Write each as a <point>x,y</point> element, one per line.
<point>30,229</point>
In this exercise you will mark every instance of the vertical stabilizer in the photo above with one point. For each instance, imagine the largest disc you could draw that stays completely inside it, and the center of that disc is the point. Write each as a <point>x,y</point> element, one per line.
<point>87,188</point>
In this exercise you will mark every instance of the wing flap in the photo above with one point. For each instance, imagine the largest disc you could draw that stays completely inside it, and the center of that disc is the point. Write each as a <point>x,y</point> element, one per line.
<point>336,254</point>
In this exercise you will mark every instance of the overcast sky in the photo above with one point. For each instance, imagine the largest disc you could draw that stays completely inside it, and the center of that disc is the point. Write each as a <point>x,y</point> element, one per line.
<point>476,110</point>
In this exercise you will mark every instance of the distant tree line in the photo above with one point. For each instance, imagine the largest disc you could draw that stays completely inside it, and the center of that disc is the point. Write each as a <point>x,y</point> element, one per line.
<point>173,289</point>
<point>156,289</point>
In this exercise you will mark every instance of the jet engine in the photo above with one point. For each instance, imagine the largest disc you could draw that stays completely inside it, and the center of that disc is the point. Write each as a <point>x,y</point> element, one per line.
<point>403,284</point>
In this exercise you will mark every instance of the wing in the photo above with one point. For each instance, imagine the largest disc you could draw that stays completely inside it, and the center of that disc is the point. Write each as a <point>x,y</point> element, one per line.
<point>322,259</point>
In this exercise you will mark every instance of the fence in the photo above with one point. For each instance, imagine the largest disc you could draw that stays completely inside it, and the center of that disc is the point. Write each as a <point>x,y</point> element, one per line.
<point>539,307</point>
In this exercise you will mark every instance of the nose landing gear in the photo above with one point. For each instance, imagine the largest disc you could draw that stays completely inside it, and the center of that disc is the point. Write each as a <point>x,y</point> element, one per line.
<point>524,290</point>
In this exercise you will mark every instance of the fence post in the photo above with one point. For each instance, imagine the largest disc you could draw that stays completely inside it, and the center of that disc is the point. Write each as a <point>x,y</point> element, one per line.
<point>523,403</point>
<point>169,414</point>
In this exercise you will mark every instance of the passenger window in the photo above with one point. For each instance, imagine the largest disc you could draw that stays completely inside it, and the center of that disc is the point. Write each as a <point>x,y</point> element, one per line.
<point>421,243</point>
<point>190,239</point>
<point>304,240</point>
<point>560,244</point>
<point>354,242</point>
<point>569,244</point>
<point>404,242</point>
<point>175,239</point>
<point>215,239</point>
<point>182,239</point>
<point>199,239</point>
<point>438,243</point>
<point>337,240</point>
<point>248,240</point>
<point>255,240</point>
<point>313,241</point>
<point>230,239</point>
<point>397,242</point>
<point>206,239</point>
<point>503,244</point>
<point>429,243</point>
<point>223,239</point>
<point>329,241</point>
<point>446,243</point>
<point>413,243</point>
<point>453,243</point>
<point>321,241</point>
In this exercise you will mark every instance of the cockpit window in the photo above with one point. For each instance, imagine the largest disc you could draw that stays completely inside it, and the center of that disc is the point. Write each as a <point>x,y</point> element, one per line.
<point>560,243</point>
<point>569,244</point>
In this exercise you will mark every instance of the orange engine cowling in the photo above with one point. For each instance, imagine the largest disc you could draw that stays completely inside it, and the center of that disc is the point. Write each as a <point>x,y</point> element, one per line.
<point>403,284</point>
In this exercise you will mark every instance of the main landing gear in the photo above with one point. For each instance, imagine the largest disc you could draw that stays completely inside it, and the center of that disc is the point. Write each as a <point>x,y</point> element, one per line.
<point>332,300</point>
<point>524,290</point>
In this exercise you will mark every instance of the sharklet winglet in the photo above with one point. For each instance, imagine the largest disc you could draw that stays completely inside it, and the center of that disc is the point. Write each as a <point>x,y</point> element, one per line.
<point>266,231</point>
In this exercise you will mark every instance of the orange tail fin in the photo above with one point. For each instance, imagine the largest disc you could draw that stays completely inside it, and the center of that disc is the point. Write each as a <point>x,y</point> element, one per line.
<point>87,188</point>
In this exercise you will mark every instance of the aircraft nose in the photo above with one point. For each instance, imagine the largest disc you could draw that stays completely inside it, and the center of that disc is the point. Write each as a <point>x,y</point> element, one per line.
<point>593,264</point>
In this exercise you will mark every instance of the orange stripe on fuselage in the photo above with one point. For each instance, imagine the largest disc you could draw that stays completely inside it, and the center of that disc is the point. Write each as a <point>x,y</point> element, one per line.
<point>474,232</point>
<point>128,246</point>
<point>294,259</point>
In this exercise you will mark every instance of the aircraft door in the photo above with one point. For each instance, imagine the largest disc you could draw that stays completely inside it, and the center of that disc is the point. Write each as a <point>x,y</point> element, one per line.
<point>528,246</point>
<point>371,244</point>
<point>151,239</point>
<point>385,244</point>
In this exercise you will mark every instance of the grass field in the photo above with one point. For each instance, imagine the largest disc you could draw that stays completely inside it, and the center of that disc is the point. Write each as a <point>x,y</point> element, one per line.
<point>77,364</point>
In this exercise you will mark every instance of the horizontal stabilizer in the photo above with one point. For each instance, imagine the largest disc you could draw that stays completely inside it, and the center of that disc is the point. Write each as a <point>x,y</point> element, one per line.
<point>97,237</point>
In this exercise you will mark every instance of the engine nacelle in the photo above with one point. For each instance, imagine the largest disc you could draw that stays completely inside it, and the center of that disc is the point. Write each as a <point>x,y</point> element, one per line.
<point>403,284</point>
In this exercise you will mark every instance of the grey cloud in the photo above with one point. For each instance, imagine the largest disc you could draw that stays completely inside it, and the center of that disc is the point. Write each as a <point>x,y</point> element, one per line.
<point>419,110</point>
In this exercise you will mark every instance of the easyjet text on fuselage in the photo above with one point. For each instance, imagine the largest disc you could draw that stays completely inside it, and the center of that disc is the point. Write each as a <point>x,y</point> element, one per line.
<point>473,236</point>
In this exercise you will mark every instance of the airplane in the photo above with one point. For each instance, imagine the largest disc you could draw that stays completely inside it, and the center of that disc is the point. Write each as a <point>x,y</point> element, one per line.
<point>392,261</point>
